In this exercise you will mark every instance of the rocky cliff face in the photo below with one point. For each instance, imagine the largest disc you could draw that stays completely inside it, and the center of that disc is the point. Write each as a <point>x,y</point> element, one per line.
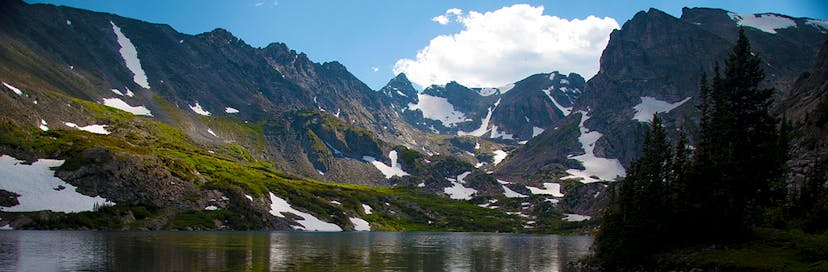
<point>805,105</point>
<point>653,64</point>
<point>181,79</point>
<point>512,114</point>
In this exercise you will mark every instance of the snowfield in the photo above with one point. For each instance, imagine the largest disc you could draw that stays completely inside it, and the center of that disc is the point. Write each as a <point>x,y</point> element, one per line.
<point>130,55</point>
<point>360,224</point>
<point>14,89</point>
<point>438,108</point>
<point>395,169</point>
<point>367,209</point>
<point>565,110</point>
<point>230,110</point>
<point>121,105</point>
<point>765,22</point>
<point>484,124</point>
<point>603,168</point>
<point>499,156</point>
<point>97,129</point>
<point>308,221</point>
<point>457,190</point>
<point>571,217</point>
<point>199,110</point>
<point>40,190</point>
<point>649,105</point>
<point>549,188</point>
<point>127,93</point>
<point>509,193</point>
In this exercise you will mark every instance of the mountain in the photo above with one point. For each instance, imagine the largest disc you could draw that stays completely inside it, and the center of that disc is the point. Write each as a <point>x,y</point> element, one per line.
<point>196,132</point>
<point>207,132</point>
<point>654,64</point>
<point>512,114</point>
<point>805,105</point>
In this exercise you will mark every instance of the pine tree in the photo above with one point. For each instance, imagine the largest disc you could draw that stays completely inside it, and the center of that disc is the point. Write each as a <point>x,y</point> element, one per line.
<point>670,198</point>
<point>738,165</point>
<point>635,222</point>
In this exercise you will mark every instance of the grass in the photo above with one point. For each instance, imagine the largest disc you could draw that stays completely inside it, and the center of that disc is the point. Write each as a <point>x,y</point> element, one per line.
<point>234,170</point>
<point>767,250</point>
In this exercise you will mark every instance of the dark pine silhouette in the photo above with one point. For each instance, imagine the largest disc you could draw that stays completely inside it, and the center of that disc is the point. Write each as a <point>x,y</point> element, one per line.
<point>735,175</point>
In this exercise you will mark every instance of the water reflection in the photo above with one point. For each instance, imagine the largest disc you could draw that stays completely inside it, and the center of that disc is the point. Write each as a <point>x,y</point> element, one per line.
<point>281,251</point>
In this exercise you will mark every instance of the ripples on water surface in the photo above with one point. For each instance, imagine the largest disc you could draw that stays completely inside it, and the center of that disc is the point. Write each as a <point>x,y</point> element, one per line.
<point>285,251</point>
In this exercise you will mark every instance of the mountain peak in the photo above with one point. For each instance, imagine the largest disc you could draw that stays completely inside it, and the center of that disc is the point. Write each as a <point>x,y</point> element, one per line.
<point>400,86</point>
<point>401,77</point>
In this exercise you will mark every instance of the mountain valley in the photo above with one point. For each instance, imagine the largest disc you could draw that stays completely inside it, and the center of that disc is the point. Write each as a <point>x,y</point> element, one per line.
<point>148,128</point>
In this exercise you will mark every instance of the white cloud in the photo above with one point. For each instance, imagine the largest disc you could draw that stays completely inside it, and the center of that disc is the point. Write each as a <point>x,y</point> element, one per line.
<point>259,4</point>
<point>374,69</point>
<point>502,46</point>
<point>445,18</point>
<point>442,19</point>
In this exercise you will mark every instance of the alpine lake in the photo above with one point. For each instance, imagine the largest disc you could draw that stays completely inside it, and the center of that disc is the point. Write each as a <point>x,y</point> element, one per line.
<point>286,251</point>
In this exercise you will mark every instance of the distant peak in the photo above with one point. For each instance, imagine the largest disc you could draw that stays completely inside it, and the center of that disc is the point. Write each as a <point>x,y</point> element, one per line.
<point>657,12</point>
<point>220,33</point>
<point>332,65</point>
<point>401,77</point>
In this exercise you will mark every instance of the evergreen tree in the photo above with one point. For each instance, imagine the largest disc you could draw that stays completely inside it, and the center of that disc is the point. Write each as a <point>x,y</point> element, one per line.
<point>739,156</point>
<point>639,212</point>
<point>736,172</point>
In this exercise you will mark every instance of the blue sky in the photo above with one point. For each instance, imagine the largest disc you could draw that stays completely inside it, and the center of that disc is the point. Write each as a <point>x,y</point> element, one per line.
<point>371,37</point>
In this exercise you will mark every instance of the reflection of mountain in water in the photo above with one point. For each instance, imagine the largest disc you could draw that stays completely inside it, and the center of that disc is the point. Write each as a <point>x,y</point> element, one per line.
<point>210,251</point>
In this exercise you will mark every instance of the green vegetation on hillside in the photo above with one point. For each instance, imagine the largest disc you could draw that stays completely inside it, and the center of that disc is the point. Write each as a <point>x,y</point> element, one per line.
<point>232,170</point>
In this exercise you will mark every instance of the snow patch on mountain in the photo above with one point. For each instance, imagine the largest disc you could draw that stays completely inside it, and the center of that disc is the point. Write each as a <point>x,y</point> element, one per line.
<point>360,224</point>
<point>367,209</point>
<point>308,221</point>
<point>549,188</point>
<point>602,168</point>
<point>43,125</point>
<point>127,93</point>
<point>506,88</point>
<point>484,124</point>
<point>765,22</point>
<point>122,105</point>
<point>502,135</point>
<point>14,89</point>
<point>565,110</point>
<point>571,217</point>
<point>97,129</point>
<point>130,56</point>
<point>457,190</point>
<point>199,110</point>
<point>230,110</point>
<point>509,193</point>
<point>818,24</point>
<point>499,156</point>
<point>536,131</point>
<point>649,105</point>
<point>438,108</point>
<point>395,169</point>
<point>40,190</point>
<point>487,91</point>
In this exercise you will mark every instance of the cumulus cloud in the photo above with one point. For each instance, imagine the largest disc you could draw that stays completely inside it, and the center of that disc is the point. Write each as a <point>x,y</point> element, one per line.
<point>446,18</point>
<point>442,19</point>
<point>374,69</point>
<point>259,4</point>
<point>500,47</point>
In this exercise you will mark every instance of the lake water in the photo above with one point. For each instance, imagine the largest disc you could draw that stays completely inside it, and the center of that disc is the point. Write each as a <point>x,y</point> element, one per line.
<point>285,251</point>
